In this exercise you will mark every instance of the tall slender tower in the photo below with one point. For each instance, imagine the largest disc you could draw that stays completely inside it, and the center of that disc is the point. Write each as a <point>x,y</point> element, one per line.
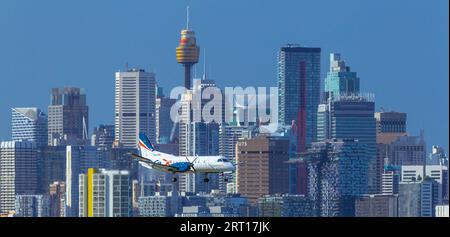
<point>187,52</point>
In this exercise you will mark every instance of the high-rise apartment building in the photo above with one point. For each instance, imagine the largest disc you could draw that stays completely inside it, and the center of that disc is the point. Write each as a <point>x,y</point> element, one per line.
<point>29,124</point>
<point>68,117</point>
<point>105,193</point>
<point>18,172</point>
<point>134,107</point>
<point>337,174</point>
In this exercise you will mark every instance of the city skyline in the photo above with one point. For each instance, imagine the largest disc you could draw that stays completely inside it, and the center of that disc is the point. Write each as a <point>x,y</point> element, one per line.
<point>92,61</point>
<point>354,106</point>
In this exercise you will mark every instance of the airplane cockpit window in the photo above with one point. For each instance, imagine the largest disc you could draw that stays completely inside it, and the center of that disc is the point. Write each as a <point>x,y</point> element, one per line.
<point>222,160</point>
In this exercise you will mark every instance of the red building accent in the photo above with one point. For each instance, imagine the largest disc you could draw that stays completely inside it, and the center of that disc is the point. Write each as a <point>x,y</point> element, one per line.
<point>302,173</point>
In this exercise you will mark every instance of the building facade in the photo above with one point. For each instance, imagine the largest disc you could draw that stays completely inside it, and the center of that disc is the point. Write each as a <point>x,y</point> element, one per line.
<point>377,205</point>
<point>263,167</point>
<point>337,175</point>
<point>57,197</point>
<point>105,193</point>
<point>135,97</point>
<point>32,206</point>
<point>29,124</point>
<point>352,117</point>
<point>103,136</point>
<point>286,205</point>
<point>68,117</point>
<point>78,160</point>
<point>340,79</point>
<point>18,172</point>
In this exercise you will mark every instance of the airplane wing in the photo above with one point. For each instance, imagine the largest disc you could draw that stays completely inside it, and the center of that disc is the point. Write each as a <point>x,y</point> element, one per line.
<point>165,168</point>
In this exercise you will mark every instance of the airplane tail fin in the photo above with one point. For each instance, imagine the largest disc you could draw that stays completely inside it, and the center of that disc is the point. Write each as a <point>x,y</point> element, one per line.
<point>145,146</point>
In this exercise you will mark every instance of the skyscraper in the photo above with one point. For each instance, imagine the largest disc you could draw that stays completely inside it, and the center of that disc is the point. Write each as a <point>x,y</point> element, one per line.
<point>52,166</point>
<point>352,117</point>
<point>228,137</point>
<point>263,167</point>
<point>18,172</point>
<point>78,160</point>
<point>134,107</point>
<point>299,90</point>
<point>166,129</point>
<point>337,174</point>
<point>187,52</point>
<point>197,137</point>
<point>29,124</point>
<point>340,79</point>
<point>298,97</point>
<point>390,126</point>
<point>105,193</point>
<point>68,117</point>
<point>407,150</point>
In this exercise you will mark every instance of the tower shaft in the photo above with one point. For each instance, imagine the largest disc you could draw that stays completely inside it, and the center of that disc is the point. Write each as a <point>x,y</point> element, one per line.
<point>187,75</point>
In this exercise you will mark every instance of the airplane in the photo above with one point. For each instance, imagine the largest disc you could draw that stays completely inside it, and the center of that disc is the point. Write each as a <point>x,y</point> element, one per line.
<point>153,159</point>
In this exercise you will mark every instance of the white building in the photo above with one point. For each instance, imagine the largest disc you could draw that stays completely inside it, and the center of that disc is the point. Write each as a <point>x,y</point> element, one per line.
<point>442,211</point>
<point>389,182</point>
<point>105,193</point>
<point>134,107</point>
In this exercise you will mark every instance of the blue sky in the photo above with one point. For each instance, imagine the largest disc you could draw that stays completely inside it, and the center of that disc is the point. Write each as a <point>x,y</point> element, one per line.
<point>399,48</point>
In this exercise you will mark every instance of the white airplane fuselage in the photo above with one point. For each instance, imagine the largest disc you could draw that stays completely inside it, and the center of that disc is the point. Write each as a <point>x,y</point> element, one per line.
<point>201,164</point>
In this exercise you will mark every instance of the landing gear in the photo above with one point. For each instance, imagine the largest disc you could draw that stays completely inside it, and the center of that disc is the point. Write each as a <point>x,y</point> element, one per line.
<point>206,180</point>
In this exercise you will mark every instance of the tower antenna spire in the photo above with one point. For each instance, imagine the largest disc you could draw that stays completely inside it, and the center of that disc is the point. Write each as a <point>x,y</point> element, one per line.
<point>187,17</point>
<point>204,64</point>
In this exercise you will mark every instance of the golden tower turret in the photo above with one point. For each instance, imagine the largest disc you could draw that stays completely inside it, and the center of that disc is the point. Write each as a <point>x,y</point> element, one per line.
<point>187,52</point>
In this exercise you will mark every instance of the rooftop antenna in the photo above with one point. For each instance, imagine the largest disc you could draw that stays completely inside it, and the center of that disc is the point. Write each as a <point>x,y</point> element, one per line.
<point>187,18</point>
<point>204,64</point>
